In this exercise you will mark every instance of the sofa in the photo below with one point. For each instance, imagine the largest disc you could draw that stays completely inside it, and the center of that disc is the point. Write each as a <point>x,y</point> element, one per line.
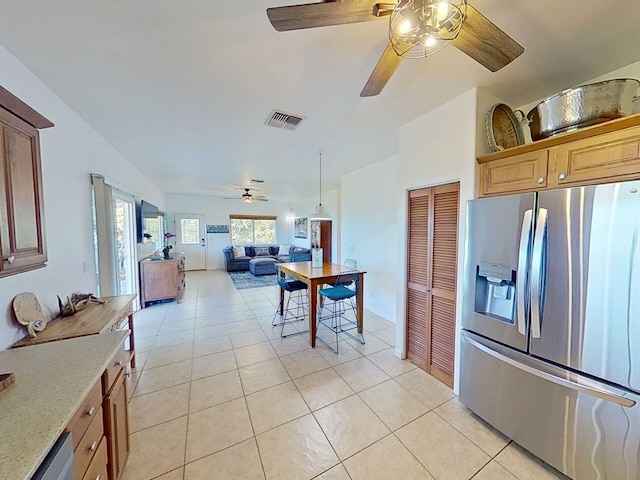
<point>260,260</point>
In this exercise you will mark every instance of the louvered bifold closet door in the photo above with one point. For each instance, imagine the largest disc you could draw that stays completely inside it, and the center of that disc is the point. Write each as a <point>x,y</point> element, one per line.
<point>441,328</point>
<point>418,274</point>
<point>431,279</point>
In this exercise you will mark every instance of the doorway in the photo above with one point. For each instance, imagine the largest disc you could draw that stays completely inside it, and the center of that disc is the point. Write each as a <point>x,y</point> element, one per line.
<point>431,279</point>
<point>190,239</point>
<point>124,237</point>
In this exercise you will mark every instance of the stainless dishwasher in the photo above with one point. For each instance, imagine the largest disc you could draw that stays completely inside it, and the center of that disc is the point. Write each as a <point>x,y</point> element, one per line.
<point>58,464</point>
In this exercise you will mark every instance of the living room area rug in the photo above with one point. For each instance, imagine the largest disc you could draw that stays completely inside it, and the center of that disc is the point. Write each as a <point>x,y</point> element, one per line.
<point>242,280</point>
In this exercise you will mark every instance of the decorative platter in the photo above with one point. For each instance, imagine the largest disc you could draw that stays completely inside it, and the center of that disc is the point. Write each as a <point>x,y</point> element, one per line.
<point>502,128</point>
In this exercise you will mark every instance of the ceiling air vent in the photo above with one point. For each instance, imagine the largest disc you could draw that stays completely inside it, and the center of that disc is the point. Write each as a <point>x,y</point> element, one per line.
<point>283,120</point>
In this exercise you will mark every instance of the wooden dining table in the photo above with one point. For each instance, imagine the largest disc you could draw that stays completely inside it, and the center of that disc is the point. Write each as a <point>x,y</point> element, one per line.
<point>315,278</point>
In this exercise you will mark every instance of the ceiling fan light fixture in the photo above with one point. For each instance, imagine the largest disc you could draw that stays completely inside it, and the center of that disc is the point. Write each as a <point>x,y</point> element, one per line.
<point>419,28</point>
<point>246,196</point>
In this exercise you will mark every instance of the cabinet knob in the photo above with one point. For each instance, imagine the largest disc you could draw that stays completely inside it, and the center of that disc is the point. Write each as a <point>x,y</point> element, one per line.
<point>91,411</point>
<point>541,180</point>
<point>118,363</point>
<point>99,477</point>
<point>562,176</point>
<point>93,447</point>
<point>10,259</point>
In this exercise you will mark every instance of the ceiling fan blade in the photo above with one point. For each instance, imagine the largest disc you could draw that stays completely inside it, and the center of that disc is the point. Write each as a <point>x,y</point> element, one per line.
<point>231,198</point>
<point>387,64</point>
<point>261,199</point>
<point>483,41</point>
<point>311,15</point>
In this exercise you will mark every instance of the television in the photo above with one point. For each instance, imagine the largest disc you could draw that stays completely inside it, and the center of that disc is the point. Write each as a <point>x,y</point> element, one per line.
<point>145,210</point>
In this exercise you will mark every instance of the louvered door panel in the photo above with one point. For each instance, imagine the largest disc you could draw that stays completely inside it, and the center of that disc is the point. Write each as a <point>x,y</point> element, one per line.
<point>442,322</point>
<point>418,240</point>
<point>442,327</point>
<point>418,277</point>
<point>417,327</point>
<point>445,240</point>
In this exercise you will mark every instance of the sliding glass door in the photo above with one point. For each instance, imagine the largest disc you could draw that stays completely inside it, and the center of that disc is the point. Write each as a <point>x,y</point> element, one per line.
<point>124,242</point>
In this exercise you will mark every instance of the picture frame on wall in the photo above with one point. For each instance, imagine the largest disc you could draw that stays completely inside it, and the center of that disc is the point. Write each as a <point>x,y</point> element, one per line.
<point>300,227</point>
<point>217,228</point>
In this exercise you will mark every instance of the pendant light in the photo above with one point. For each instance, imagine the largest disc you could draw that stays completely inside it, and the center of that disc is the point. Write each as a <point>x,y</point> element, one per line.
<point>320,213</point>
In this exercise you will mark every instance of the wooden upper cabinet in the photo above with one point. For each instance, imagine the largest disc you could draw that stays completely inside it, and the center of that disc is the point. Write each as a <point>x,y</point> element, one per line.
<point>613,156</point>
<point>22,235</point>
<point>603,153</point>
<point>527,171</point>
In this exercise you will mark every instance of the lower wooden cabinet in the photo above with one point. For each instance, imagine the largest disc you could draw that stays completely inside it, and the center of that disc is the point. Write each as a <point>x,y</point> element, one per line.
<point>100,427</point>
<point>97,469</point>
<point>88,445</point>
<point>161,279</point>
<point>117,426</point>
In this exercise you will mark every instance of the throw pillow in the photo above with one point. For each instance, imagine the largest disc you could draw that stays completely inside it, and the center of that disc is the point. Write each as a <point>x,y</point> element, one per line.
<point>284,249</point>
<point>238,251</point>
<point>262,251</point>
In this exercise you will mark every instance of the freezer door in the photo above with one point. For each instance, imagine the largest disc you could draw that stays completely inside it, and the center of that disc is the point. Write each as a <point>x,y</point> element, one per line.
<point>498,249</point>
<point>586,429</point>
<point>585,281</point>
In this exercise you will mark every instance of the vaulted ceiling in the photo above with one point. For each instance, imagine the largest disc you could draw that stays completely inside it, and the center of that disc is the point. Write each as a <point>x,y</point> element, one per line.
<point>182,88</point>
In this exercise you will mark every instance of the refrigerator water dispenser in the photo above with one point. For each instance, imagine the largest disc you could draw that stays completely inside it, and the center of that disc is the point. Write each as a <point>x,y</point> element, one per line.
<point>496,291</point>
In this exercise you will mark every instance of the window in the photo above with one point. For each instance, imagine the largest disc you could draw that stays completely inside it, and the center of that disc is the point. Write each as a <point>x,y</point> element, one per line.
<point>247,229</point>
<point>190,228</point>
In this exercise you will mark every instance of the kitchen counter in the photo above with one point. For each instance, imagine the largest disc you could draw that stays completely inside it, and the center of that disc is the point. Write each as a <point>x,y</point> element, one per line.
<point>51,382</point>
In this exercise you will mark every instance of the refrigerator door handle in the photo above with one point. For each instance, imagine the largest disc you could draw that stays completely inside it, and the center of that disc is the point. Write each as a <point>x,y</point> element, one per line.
<point>538,272</point>
<point>521,275</point>
<point>581,387</point>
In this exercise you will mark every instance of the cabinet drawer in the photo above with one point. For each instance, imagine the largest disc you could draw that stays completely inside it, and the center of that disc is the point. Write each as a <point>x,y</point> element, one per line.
<point>86,413</point>
<point>98,467</point>
<point>514,174</point>
<point>118,363</point>
<point>88,446</point>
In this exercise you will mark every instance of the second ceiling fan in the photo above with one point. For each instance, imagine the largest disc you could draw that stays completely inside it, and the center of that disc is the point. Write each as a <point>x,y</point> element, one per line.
<point>417,28</point>
<point>247,197</point>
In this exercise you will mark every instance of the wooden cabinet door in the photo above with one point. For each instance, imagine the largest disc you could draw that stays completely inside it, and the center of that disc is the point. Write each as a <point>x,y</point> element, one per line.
<point>117,427</point>
<point>431,285</point>
<point>22,238</point>
<point>159,279</point>
<point>612,157</point>
<point>518,173</point>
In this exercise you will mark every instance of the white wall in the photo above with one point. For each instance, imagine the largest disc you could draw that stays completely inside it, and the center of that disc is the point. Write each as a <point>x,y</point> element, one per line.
<point>70,152</point>
<point>436,148</point>
<point>369,223</point>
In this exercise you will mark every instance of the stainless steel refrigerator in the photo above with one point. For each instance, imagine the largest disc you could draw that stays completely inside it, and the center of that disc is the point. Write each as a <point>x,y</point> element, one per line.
<point>550,347</point>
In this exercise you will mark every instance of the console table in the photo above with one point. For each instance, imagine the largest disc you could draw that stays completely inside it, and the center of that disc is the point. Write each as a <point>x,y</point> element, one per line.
<point>96,318</point>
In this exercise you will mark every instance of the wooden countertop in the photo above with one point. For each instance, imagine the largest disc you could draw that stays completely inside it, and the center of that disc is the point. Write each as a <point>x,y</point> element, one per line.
<point>96,318</point>
<point>51,382</point>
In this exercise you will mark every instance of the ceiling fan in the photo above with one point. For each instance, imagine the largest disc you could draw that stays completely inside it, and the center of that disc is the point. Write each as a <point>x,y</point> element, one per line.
<point>417,28</point>
<point>246,197</point>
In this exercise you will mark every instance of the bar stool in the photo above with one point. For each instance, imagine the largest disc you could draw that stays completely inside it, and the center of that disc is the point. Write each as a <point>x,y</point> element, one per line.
<point>341,294</point>
<point>296,293</point>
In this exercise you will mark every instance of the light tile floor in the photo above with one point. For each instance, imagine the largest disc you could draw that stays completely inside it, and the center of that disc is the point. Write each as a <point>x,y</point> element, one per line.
<point>219,395</point>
